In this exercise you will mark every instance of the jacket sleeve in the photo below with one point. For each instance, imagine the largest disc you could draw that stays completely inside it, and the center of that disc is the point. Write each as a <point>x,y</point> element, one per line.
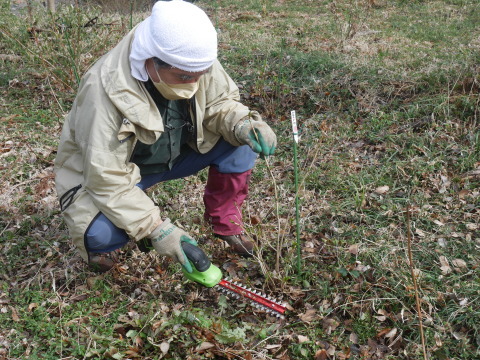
<point>110,179</point>
<point>223,109</point>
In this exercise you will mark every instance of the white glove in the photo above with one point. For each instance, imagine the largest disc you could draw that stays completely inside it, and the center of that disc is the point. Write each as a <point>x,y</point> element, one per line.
<point>167,241</point>
<point>256,134</point>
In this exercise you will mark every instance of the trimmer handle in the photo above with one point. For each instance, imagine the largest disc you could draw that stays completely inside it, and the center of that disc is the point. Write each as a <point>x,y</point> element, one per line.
<point>197,257</point>
<point>204,272</point>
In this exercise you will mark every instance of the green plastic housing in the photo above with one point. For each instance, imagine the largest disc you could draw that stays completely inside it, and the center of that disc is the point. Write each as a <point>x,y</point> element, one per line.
<point>208,278</point>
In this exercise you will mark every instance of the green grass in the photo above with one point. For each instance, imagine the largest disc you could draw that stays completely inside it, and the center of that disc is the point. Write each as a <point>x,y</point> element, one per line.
<point>386,95</point>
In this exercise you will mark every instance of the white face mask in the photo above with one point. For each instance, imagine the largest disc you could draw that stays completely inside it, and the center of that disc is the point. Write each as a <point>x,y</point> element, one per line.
<point>176,91</point>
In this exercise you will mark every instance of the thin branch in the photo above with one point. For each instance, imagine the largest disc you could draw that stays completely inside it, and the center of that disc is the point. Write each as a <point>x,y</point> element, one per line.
<point>415,285</point>
<point>28,50</point>
<point>277,206</point>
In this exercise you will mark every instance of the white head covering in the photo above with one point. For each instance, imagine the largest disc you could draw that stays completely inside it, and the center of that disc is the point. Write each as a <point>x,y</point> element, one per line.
<point>177,32</point>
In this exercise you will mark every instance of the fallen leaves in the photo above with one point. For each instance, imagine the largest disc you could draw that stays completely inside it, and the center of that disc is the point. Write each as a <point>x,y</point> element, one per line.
<point>302,339</point>
<point>459,265</point>
<point>472,226</point>
<point>14,312</point>
<point>164,347</point>
<point>382,315</point>
<point>445,266</point>
<point>387,333</point>
<point>354,249</point>
<point>382,189</point>
<point>308,316</point>
<point>205,345</point>
<point>322,354</point>
<point>330,324</point>
<point>353,337</point>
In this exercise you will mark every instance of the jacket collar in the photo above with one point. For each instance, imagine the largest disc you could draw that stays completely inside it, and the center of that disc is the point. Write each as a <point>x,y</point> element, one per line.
<point>129,95</point>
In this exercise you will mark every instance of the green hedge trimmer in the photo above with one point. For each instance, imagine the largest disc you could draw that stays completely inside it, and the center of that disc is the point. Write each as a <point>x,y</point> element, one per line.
<point>209,275</point>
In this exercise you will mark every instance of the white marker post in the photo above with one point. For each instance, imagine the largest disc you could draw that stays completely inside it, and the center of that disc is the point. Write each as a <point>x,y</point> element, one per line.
<point>297,212</point>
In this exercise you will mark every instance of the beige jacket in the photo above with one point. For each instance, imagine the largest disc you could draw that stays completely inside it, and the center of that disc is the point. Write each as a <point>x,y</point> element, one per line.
<point>111,111</point>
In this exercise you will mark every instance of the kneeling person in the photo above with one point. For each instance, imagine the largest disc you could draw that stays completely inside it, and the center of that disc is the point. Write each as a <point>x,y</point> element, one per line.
<point>158,106</point>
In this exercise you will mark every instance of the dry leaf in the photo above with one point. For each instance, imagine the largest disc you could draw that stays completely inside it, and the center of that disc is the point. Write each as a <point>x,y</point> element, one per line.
<point>164,346</point>
<point>463,193</point>
<point>302,339</point>
<point>472,226</point>
<point>157,324</point>
<point>321,355</point>
<point>353,338</point>
<point>331,350</point>
<point>457,335</point>
<point>446,270</point>
<point>383,312</point>
<point>384,332</point>
<point>420,233</point>
<point>443,261</point>
<point>132,353</point>
<point>362,268</point>
<point>353,249</point>
<point>329,325</point>
<point>14,314</point>
<point>204,346</point>
<point>445,267</point>
<point>391,333</point>
<point>418,273</point>
<point>138,341</point>
<point>79,297</point>
<point>382,189</point>
<point>459,263</point>
<point>445,184</point>
<point>380,318</point>
<point>337,298</point>
<point>308,315</point>
<point>255,219</point>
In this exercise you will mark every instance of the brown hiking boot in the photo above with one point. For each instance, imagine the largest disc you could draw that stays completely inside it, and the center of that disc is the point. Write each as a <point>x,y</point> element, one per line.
<point>102,262</point>
<point>240,244</point>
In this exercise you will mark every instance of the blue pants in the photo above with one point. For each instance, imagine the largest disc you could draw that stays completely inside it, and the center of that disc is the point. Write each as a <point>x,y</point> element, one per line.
<point>103,236</point>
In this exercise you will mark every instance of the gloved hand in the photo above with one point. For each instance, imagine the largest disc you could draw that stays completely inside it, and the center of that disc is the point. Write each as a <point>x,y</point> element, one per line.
<point>256,134</point>
<point>167,239</point>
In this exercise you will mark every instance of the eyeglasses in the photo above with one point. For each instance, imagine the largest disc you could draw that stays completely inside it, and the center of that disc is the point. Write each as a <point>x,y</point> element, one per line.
<point>158,64</point>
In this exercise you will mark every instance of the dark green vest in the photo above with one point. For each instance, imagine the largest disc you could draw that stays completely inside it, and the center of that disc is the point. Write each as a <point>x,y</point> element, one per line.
<point>162,155</point>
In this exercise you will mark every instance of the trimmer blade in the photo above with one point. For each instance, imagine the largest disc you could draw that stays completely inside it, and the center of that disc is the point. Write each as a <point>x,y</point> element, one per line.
<point>257,299</point>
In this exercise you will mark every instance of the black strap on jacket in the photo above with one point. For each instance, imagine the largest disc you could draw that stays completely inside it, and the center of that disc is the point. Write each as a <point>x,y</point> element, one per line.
<point>67,198</point>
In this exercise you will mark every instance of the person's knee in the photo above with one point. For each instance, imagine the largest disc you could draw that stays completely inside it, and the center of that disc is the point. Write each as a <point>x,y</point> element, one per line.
<point>241,159</point>
<point>104,237</point>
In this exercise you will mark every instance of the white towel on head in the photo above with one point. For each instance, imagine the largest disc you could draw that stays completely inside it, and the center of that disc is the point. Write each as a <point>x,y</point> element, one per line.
<point>177,32</point>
